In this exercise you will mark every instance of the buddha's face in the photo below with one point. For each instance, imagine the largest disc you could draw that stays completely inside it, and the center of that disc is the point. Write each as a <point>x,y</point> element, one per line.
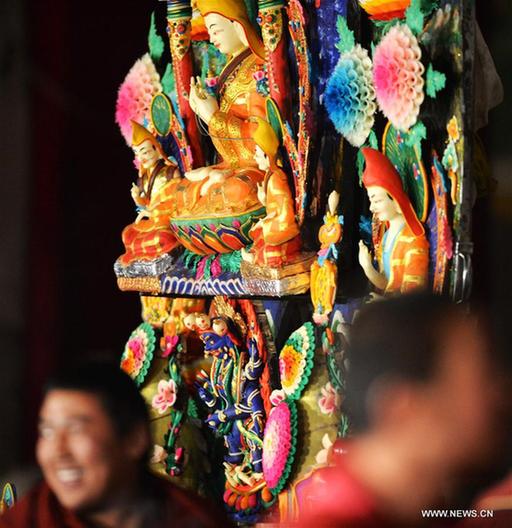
<point>147,154</point>
<point>382,205</point>
<point>261,159</point>
<point>227,36</point>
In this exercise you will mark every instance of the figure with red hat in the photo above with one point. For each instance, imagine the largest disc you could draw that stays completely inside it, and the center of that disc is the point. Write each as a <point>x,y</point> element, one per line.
<point>401,247</point>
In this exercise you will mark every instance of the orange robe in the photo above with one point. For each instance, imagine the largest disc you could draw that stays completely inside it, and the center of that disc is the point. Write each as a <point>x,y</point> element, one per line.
<point>238,101</point>
<point>152,237</point>
<point>229,130</point>
<point>276,237</point>
<point>409,262</point>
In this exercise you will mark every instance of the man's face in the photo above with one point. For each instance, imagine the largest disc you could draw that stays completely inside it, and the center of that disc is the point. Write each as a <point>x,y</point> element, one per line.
<point>381,205</point>
<point>147,154</point>
<point>78,450</point>
<point>223,34</point>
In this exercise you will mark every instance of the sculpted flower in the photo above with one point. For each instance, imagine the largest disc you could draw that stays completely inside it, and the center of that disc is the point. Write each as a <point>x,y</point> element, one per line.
<point>329,400</point>
<point>259,75</point>
<point>322,456</point>
<point>350,97</point>
<point>211,82</point>
<point>169,345</point>
<point>135,95</point>
<point>277,396</point>
<point>159,455</point>
<point>166,396</point>
<point>398,77</point>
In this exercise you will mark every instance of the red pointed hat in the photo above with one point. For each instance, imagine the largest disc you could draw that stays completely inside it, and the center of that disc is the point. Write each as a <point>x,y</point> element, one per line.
<point>379,172</point>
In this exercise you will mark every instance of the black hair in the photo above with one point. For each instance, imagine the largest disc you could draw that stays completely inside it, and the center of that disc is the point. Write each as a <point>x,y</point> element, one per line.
<point>115,390</point>
<point>397,338</point>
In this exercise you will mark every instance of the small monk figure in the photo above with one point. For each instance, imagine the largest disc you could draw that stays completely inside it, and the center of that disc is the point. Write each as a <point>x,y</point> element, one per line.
<point>276,236</point>
<point>401,249</point>
<point>150,235</point>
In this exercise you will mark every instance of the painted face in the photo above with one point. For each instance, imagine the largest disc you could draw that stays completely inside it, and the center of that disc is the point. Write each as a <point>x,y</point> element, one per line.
<point>223,34</point>
<point>381,205</point>
<point>146,153</point>
<point>190,321</point>
<point>79,452</point>
<point>261,158</point>
<point>220,327</point>
<point>202,321</point>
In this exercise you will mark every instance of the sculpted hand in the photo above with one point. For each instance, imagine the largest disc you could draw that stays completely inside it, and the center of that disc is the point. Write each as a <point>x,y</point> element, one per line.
<point>135,192</point>
<point>365,259</point>
<point>197,174</point>
<point>202,104</point>
<point>142,215</point>
<point>262,195</point>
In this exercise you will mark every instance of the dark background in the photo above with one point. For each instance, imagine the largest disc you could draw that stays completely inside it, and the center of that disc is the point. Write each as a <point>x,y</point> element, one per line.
<point>65,179</point>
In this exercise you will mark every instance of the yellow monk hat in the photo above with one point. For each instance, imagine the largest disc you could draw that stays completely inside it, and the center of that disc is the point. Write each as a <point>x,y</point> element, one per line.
<point>264,136</point>
<point>141,134</point>
<point>236,11</point>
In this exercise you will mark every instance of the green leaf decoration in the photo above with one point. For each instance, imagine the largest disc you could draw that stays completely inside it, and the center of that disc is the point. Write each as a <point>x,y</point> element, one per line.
<point>436,81</point>
<point>403,149</point>
<point>192,409</point>
<point>347,40</point>
<point>168,82</point>
<point>155,41</point>
<point>372,140</point>
<point>414,17</point>
<point>416,135</point>
<point>274,118</point>
<point>230,262</point>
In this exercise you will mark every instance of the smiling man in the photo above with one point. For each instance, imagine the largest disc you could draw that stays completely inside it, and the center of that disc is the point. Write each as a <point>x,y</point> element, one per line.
<point>92,449</point>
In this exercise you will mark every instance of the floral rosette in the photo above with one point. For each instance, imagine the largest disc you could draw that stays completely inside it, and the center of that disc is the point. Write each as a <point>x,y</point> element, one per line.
<point>296,361</point>
<point>138,353</point>
<point>398,77</point>
<point>279,444</point>
<point>135,95</point>
<point>350,97</point>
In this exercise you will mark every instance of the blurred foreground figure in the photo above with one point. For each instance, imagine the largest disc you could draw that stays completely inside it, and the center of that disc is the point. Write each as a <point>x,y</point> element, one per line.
<point>426,405</point>
<point>92,449</point>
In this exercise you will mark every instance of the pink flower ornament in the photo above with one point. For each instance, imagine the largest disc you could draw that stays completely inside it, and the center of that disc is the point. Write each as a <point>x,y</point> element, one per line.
<point>135,95</point>
<point>398,77</point>
<point>329,400</point>
<point>170,345</point>
<point>166,396</point>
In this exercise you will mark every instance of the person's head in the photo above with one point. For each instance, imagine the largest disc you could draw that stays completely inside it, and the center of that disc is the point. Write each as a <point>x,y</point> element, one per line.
<point>384,185</point>
<point>382,204</point>
<point>145,146</point>
<point>266,143</point>
<point>229,26</point>
<point>93,436</point>
<point>420,371</point>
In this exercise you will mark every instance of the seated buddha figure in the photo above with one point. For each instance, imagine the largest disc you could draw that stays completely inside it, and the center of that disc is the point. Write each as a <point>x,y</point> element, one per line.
<point>276,236</point>
<point>401,247</point>
<point>149,236</point>
<point>232,182</point>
